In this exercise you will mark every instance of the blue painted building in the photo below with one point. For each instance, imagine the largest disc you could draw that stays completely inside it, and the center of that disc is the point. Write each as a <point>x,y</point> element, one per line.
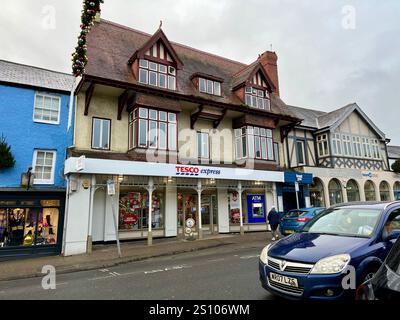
<point>36,120</point>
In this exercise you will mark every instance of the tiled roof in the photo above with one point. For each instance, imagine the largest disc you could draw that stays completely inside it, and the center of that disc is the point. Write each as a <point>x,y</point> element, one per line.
<point>394,152</point>
<point>332,118</point>
<point>308,116</point>
<point>15,73</point>
<point>110,47</point>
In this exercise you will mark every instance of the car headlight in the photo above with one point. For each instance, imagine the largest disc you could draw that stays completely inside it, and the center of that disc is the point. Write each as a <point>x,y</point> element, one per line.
<point>264,254</point>
<point>330,265</point>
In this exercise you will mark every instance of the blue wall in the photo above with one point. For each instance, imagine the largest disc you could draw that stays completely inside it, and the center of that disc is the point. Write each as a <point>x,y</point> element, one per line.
<point>24,135</point>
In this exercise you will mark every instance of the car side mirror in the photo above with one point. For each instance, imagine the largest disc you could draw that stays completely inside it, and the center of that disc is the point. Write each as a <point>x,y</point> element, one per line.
<point>393,235</point>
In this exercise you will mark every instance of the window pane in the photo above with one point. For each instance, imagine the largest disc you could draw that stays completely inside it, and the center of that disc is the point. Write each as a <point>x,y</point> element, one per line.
<point>217,88</point>
<point>172,71</point>
<point>163,69</point>
<point>249,90</point>
<point>171,117</point>
<point>163,116</point>
<point>163,80</point>
<point>143,63</point>
<point>153,78</point>
<point>153,114</point>
<point>300,152</point>
<point>244,147</point>
<point>264,148</point>
<point>251,145</point>
<point>254,101</point>
<point>205,145</point>
<point>153,134</point>
<point>172,136</point>
<point>171,83</point>
<point>96,133</point>
<point>210,87</point>
<point>257,147</point>
<point>105,134</point>
<point>134,135</point>
<point>143,113</point>
<point>238,148</point>
<point>248,99</point>
<point>143,133</point>
<point>153,66</point>
<point>163,135</point>
<point>143,76</point>
<point>270,144</point>
<point>202,85</point>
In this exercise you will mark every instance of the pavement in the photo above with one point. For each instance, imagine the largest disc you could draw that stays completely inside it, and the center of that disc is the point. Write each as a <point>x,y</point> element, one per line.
<point>106,256</point>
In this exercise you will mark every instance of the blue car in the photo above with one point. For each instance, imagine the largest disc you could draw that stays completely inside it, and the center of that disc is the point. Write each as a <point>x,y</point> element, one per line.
<point>333,254</point>
<point>294,220</point>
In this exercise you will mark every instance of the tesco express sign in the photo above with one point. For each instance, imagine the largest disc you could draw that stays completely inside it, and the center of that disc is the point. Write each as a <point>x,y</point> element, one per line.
<point>195,171</point>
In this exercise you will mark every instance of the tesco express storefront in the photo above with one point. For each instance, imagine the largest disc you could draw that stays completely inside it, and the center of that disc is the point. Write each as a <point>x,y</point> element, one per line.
<point>215,199</point>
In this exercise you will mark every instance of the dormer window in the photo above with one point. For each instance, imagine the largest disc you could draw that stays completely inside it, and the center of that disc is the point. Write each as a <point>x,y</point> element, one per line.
<point>256,98</point>
<point>209,86</point>
<point>157,75</point>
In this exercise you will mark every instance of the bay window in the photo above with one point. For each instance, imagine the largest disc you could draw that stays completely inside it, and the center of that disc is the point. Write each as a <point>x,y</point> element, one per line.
<point>357,146</point>
<point>254,143</point>
<point>149,128</point>
<point>257,98</point>
<point>157,75</point>
<point>347,145</point>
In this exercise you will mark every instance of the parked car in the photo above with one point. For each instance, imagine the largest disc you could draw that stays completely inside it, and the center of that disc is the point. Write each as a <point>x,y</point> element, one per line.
<point>294,220</point>
<point>385,285</point>
<point>312,263</point>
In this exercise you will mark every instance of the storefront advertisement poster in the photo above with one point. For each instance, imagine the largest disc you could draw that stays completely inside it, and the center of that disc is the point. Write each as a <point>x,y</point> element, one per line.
<point>234,213</point>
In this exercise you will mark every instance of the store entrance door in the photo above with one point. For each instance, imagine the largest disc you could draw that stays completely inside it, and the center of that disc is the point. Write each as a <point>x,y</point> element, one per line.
<point>209,213</point>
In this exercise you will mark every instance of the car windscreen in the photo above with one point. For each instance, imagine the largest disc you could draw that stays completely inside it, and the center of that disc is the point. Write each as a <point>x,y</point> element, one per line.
<point>353,222</point>
<point>295,214</point>
<point>393,259</point>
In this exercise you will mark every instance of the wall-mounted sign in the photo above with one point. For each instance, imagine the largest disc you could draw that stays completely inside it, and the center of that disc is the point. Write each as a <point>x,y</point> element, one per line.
<point>111,188</point>
<point>80,163</point>
<point>369,174</point>
<point>135,168</point>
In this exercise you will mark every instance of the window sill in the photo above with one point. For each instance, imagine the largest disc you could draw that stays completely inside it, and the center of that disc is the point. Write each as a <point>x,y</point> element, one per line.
<point>46,122</point>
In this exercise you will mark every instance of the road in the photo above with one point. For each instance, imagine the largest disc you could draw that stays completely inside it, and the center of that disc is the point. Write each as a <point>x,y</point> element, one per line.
<point>228,272</point>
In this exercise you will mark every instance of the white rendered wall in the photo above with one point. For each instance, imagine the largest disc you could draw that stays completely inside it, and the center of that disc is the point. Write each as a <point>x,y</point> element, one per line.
<point>77,219</point>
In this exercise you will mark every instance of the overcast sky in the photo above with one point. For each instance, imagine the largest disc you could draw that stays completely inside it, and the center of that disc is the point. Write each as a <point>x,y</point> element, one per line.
<point>331,53</point>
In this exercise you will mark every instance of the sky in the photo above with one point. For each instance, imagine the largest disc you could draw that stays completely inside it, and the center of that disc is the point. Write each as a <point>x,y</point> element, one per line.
<point>330,53</point>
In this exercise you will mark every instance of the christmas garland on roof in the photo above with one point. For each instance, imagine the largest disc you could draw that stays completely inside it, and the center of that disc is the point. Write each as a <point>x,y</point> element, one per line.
<point>79,57</point>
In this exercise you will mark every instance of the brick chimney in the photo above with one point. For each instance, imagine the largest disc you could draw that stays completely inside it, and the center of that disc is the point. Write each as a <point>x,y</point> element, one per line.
<point>269,61</point>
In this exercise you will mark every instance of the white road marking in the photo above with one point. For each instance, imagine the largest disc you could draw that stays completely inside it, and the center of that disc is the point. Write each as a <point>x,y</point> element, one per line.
<point>61,284</point>
<point>180,267</point>
<point>215,260</point>
<point>104,270</point>
<point>249,257</point>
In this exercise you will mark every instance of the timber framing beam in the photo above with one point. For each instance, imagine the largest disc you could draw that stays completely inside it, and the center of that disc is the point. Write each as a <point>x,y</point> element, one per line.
<point>195,116</point>
<point>88,97</point>
<point>122,100</point>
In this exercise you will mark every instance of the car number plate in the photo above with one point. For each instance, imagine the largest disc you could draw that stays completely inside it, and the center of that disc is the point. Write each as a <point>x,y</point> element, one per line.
<point>283,280</point>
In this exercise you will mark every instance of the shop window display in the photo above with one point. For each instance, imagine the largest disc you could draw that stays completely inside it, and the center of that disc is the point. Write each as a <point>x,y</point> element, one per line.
<point>28,226</point>
<point>134,211</point>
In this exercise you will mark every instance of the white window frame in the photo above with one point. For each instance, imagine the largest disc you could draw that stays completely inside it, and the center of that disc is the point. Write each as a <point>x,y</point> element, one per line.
<point>322,140</point>
<point>44,95</point>
<point>337,144</point>
<point>53,167</point>
<point>101,133</point>
<point>203,140</point>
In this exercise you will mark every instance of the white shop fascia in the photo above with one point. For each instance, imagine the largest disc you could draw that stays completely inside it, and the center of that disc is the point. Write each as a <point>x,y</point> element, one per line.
<point>134,168</point>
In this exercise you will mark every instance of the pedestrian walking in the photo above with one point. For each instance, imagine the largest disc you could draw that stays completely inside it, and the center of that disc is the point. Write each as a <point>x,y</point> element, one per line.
<point>274,220</point>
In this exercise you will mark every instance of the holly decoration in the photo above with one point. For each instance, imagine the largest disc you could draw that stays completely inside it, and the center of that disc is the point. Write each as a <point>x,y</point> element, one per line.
<point>79,57</point>
<point>6,158</point>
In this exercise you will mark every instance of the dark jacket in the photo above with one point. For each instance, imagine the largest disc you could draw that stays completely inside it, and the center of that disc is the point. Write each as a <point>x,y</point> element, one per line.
<point>273,217</point>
